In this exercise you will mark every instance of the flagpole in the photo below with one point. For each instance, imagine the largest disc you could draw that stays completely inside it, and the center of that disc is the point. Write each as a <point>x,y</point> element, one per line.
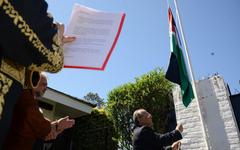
<point>190,69</point>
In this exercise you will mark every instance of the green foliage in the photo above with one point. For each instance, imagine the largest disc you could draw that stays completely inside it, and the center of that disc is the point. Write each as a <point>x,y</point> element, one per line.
<point>95,132</point>
<point>151,92</point>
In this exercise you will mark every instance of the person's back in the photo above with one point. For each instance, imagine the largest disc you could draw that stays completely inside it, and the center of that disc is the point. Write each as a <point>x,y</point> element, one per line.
<point>143,139</point>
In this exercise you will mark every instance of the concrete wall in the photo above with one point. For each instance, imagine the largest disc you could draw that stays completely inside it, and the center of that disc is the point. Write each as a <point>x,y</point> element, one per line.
<point>193,134</point>
<point>220,130</point>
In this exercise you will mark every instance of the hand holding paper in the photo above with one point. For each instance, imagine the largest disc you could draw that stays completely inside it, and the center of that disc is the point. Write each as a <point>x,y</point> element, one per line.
<point>65,39</point>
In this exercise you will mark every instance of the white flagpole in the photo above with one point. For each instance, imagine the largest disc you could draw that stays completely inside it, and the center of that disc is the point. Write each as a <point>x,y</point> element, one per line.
<point>185,44</point>
<point>190,69</point>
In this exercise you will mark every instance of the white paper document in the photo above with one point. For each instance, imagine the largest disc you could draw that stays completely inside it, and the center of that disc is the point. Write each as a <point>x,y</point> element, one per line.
<point>96,35</point>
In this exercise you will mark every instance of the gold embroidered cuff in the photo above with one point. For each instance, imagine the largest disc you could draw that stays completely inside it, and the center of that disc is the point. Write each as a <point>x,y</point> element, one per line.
<point>14,70</point>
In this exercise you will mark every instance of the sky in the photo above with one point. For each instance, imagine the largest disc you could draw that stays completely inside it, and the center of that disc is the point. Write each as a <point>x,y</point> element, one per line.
<point>211,28</point>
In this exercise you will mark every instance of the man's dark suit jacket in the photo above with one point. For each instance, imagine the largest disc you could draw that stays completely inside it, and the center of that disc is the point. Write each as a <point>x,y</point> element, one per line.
<point>145,138</point>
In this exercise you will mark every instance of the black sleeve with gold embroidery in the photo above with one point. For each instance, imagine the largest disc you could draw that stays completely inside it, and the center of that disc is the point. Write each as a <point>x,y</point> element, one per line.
<point>28,35</point>
<point>28,39</point>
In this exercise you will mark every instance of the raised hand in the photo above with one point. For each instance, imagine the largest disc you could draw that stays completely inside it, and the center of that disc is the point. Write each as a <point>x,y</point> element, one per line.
<point>65,123</point>
<point>64,38</point>
<point>179,127</point>
<point>176,145</point>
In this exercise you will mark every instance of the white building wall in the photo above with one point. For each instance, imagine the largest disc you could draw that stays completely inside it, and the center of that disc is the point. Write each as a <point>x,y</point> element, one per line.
<point>193,134</point>
<point>49,113</point>
<point>226,113</point>
<point>217,115</point>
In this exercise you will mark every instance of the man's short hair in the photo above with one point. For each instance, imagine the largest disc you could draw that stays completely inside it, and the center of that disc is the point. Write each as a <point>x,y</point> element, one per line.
<point>137,113</point>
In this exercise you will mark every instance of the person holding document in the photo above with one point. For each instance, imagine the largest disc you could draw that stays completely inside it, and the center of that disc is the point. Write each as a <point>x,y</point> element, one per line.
<point>29,42</point>
<point>145,138</point>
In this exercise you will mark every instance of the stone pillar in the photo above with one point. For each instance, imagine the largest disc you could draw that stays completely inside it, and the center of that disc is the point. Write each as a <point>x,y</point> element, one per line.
<point>193,135</point>
<point>217,116</point>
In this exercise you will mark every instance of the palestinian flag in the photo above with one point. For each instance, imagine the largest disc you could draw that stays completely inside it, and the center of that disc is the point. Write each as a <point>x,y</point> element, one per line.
<point>177,72</point>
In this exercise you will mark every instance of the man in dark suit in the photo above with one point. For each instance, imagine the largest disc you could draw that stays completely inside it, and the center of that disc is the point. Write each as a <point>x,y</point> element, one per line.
<point>145,138</point>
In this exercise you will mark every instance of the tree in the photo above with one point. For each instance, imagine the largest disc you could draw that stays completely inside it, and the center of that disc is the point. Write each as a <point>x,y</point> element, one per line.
<point>94,98</point>
<point>151,92</point>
